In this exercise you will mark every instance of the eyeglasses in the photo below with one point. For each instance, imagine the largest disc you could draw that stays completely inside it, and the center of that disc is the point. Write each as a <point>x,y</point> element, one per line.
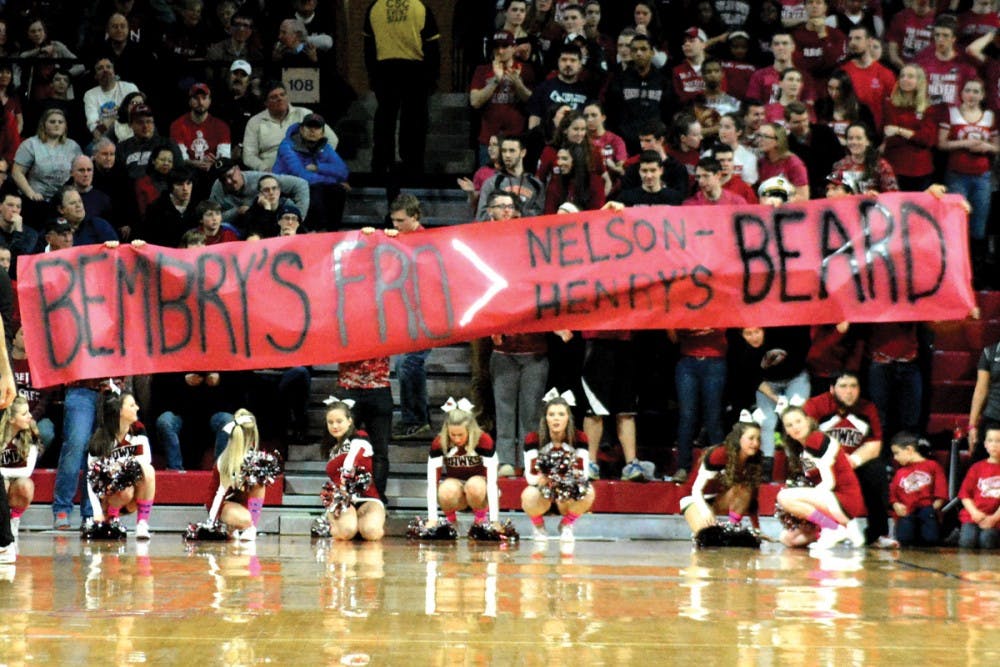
<point>504,206</point>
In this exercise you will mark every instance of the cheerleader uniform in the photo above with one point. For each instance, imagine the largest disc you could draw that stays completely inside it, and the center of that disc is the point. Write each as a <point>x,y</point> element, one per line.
<point>821,453</point>
<point>457,464</point>
<point>532,444</point>
<point>708,483</point>
<point>352,454</point>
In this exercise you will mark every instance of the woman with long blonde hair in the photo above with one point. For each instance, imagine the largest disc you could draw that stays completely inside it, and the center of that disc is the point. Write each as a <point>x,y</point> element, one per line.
<point>910,133</point>
<point>235,505</point>
<point>20,445</point>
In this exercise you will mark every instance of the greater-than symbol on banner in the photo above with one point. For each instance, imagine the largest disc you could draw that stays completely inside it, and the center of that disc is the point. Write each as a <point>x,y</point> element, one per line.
<point>497,282</point>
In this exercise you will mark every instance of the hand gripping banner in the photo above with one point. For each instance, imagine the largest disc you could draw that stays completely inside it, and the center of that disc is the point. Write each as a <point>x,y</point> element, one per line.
<point>323,298</point>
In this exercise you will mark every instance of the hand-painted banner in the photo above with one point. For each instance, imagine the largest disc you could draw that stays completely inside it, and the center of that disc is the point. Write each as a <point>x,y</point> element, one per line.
<point>93,311</point>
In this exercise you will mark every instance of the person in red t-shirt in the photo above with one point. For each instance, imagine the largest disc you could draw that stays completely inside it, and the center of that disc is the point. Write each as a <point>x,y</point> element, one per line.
<point>909,131</point>
<point>777,160</point>
<point>872,80</point>
<point>980,494</point>
<point>945,67</point>
<point>708,175</point>
<point>910,32</point>
<point>725,156</point>
<point>201,137</point>
<point>821,47</point>
<point>918,491</point>
<point>499,89</point>
<point>688,83</point>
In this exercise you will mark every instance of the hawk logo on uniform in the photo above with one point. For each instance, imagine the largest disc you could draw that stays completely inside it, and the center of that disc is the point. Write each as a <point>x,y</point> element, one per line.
<point>463,461</point>
<point>916,480</point>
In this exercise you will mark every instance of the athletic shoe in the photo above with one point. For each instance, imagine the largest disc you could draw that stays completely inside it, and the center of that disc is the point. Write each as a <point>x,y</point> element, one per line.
<point>633,472</point>
<point>538,533</point>
<point>248,535</point>
<point>566,534</point>
<point>8,554</point>
<point>412,431</point>
<point>886,542</point>
<point>648,470</point>
<point>593,470</point>
<point>61,521</point>
<point>830,537</point>
<point>854,533</point>
<point>15,524</point>
<point>142,530</point>
<point>680,476</point>
<point>506,470</point>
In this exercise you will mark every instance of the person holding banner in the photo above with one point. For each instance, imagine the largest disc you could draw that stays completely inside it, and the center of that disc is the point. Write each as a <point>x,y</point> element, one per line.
<point>559,443</point>
<point>462,468</point>
<point>350,462</point>
<point>863,167</point>
<point>575,183</point>
<point>120,436</point>
<point>834,498</point>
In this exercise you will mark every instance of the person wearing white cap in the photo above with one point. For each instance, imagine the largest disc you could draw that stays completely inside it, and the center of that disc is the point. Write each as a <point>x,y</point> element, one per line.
<point>237,104</point>
<point>688,83</point>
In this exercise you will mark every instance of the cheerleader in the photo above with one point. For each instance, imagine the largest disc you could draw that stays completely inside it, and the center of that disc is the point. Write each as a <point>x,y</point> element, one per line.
<point>462,468</point>
<point>235,505</point>
<point>121,436</point>
<point>351,455</point>
<point>835,495</point>
<point>727,479</point>
<point>17,459</point>
<point>556,432</point>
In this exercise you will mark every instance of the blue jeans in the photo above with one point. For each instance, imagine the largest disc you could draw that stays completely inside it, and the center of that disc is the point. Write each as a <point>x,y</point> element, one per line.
<point>168,430</point>
<point>79,411</point>
<point>373,411</point>
<point>977,190</point>
<point>413,388</point>
<point>46,432</point>
<point>972,536</point>
<point>896,390</point>
<point>700,386</point>
<point>919,528</point>
<point>518,387</point>
<point>797,386</point>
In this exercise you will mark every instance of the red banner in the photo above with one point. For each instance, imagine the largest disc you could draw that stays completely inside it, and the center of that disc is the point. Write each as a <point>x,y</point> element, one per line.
<point>322,298</point>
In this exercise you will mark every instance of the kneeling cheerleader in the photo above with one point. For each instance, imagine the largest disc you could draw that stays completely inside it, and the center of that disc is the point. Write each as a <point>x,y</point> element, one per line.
<point>19,434</point>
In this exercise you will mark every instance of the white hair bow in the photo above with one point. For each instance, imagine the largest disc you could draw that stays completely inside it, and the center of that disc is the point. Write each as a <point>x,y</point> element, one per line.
<point>113,387</point>
<point>462,404</point>
<point>756,417</point>
<point>566,396</point>
<point>330,400</point>
<point>242,420</point>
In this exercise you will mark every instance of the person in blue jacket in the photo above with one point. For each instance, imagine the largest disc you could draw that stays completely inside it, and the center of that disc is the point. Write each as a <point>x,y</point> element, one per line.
<point>305,153</point>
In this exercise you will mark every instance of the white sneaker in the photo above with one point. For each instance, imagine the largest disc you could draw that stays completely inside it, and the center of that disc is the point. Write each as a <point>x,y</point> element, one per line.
<point>142,530</point>
<point>886,542</point>
<point>538,533</point>
<point>248,535</point>
<point>830,537</point>
<point>854,534</point>
<point>8,554</point>
<point>15,524</point>
<point>566,534</point>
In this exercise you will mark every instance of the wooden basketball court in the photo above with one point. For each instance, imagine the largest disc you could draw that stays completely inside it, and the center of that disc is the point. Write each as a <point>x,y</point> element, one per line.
<point>295,601</point>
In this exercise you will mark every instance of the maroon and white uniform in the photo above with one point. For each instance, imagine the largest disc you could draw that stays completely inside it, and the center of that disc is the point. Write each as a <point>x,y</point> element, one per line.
<point>826,465</point>
<point>457,463</point>
<point>11,457</point>
<point>707,483</point>
<point>198,140</point>
<point>912,33</point>
<point>982,486</point>
<point>851,427</point>
<point>531,442</point>
<point>918,485</point>
<point>362,462</point>
<point>985,129</point>
<point>135,444</point>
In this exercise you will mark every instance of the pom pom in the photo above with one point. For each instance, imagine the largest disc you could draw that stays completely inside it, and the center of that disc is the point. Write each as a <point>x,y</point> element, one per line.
<point>338,497</point>
<point>207,531</point>
<point>494,532</point>
<point>565,481</point>
<point>320,527</point>
<point>109,476</point>
<point>727,535</point>
<point>419,530</point>
<point>259,468</point>
<point>103,530</point>
<point>790,521</point>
